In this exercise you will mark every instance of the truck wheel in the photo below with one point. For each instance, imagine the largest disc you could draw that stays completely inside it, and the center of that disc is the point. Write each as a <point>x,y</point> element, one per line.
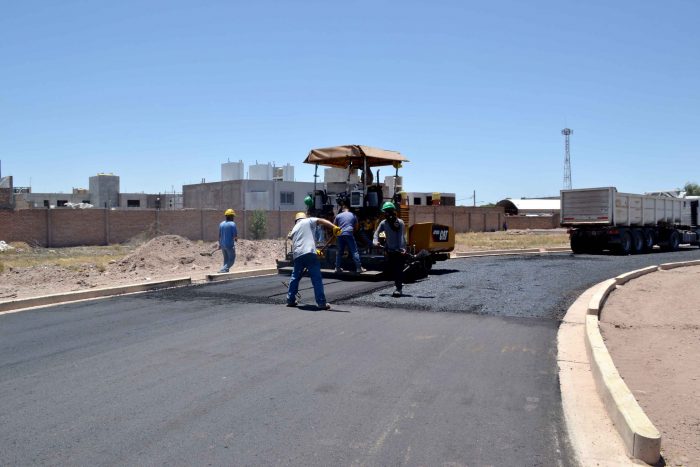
<point>625,246</point>
<point>674,240</point>
<point>648,240</point>
<point>637,241</point>
<point>578,244</point>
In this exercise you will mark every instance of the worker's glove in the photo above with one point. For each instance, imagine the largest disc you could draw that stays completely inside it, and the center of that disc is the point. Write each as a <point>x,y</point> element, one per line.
<point>319,252</point>
<point>337,231</point>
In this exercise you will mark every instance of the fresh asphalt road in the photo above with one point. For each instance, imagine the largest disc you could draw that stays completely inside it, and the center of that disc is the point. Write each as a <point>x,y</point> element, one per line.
<point>461,371</point>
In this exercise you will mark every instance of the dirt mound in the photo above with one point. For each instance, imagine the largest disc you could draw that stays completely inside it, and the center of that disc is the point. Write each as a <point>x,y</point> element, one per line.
<point>259,252</point>
<point>167,253</point>
<point>172,253</point>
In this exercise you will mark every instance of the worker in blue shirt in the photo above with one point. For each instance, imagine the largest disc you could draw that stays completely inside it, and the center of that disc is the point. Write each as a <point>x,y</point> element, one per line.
<point>228,235</point>
<point>347,221</point>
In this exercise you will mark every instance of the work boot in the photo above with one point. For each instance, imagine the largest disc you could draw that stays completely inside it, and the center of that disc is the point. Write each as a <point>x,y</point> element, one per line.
<point>397,293</point>
<point>327,306</point>
<point>292,304</point>
<point>360,271</point>
<point>338,270</point>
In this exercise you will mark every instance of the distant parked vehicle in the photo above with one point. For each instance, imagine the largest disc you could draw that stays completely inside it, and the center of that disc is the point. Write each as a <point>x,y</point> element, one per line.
<point>603,219</point>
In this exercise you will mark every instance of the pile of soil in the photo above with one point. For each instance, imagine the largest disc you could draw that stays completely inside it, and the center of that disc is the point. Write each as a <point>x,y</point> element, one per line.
<point>169,254</point>
<point>163,257</point>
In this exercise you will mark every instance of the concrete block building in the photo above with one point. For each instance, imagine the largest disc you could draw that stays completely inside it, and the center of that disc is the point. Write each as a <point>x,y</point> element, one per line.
<point>268,195</point>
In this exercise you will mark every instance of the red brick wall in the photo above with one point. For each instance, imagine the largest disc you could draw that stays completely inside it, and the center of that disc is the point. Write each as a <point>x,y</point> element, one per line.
<point>532,222</point>
<point>462,218</point>
<point>69,227</point>
<point>124,225</point>
<point>29,227</point>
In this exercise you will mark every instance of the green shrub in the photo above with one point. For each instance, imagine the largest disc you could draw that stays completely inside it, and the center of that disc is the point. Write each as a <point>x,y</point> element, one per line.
<point>258,225</point>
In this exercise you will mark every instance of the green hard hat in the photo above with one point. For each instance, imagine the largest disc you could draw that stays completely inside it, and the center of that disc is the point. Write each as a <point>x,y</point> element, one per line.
<point>308,201</point>
<point>387,206</point>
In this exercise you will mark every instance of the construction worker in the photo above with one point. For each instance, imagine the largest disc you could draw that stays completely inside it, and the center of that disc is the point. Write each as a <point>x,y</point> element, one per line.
<point>303,237</point>
<point>347,221</point>
<point>394,231</point>
<point>228,236</point>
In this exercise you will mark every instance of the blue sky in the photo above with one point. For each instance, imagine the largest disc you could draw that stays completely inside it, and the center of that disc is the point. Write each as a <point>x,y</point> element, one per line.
<point>475,94</point>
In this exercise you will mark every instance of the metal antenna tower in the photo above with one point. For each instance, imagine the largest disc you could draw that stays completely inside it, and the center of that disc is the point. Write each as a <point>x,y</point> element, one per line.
<point>567,158</point>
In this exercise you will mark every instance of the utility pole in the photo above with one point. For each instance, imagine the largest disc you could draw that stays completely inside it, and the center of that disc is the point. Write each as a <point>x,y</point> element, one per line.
<point>567,158</point>
<point>474,198</point>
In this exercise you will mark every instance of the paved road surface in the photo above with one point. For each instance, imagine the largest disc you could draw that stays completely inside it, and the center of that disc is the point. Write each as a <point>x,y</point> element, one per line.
<point>461,372</point>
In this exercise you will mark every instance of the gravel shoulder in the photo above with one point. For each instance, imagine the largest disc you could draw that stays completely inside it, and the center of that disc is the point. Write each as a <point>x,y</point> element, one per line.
<point>651,327</point>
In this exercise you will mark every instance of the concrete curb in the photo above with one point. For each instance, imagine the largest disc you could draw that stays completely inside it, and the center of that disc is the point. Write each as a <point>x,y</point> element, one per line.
<point>641,438</point>
<point>600,295</point>
<point>228,276</point>
<point>16,305</point>
<point>44,300</point>
<point>680,264</point>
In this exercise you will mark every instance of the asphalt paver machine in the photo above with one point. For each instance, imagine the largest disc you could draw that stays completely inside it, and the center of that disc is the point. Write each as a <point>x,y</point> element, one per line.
<point>361,190</point>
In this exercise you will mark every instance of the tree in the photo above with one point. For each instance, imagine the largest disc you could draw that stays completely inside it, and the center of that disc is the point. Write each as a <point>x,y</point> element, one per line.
<point>692,189</point>
<point>258,225</point>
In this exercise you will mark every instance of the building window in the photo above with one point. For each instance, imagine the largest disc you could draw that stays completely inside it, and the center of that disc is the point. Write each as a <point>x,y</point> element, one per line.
<point>416,201</point>
<point>287,197</point>
<point>46,203</point>
<point>61,203</point>
<point>133,203</point>
<point>86,201</point>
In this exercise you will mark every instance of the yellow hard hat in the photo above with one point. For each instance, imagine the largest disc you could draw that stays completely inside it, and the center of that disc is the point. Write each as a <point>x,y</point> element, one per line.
<point>229,212</point>
<point>299,215</point>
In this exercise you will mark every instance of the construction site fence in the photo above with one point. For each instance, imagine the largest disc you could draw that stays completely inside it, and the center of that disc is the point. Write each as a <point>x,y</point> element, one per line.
<point>69,227</point>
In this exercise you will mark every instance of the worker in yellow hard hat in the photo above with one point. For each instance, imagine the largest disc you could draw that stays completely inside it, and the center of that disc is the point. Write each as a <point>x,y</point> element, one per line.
<point>305,255</point>
<point>228,236</point>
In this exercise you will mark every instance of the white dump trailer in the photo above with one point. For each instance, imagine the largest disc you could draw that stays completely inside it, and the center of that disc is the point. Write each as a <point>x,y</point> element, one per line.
<point>603,219</point>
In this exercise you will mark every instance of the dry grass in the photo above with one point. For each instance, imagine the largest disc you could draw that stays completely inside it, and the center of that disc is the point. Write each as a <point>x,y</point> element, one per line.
<point>25,256</point>
<point>511,240</point>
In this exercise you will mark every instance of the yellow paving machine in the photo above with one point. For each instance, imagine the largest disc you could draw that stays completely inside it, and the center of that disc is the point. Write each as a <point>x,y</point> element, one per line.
<point>360,189</point>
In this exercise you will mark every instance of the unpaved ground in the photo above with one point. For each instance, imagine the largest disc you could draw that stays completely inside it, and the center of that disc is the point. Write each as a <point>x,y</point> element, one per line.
<point>651,327</point>
<point>163,257</point>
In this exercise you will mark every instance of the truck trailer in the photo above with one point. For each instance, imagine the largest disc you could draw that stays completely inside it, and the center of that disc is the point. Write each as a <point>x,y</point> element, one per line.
<point>603,219</point>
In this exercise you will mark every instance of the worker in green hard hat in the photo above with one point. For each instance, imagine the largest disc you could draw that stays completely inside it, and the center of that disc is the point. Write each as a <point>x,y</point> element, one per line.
<point>394,231</point>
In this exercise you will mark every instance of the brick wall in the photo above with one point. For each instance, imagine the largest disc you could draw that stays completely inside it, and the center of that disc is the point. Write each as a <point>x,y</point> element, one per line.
<point>533,222</point>
<point>462,218</point>
<point>69,227</point>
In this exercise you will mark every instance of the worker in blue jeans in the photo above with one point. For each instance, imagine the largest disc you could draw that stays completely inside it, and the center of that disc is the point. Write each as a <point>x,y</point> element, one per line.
<point>303,237</point>
<point>228,235</point>
<point>347,221</point>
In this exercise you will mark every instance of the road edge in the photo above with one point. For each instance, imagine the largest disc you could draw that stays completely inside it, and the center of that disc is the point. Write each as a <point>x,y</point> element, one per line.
<point>13,306</point>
